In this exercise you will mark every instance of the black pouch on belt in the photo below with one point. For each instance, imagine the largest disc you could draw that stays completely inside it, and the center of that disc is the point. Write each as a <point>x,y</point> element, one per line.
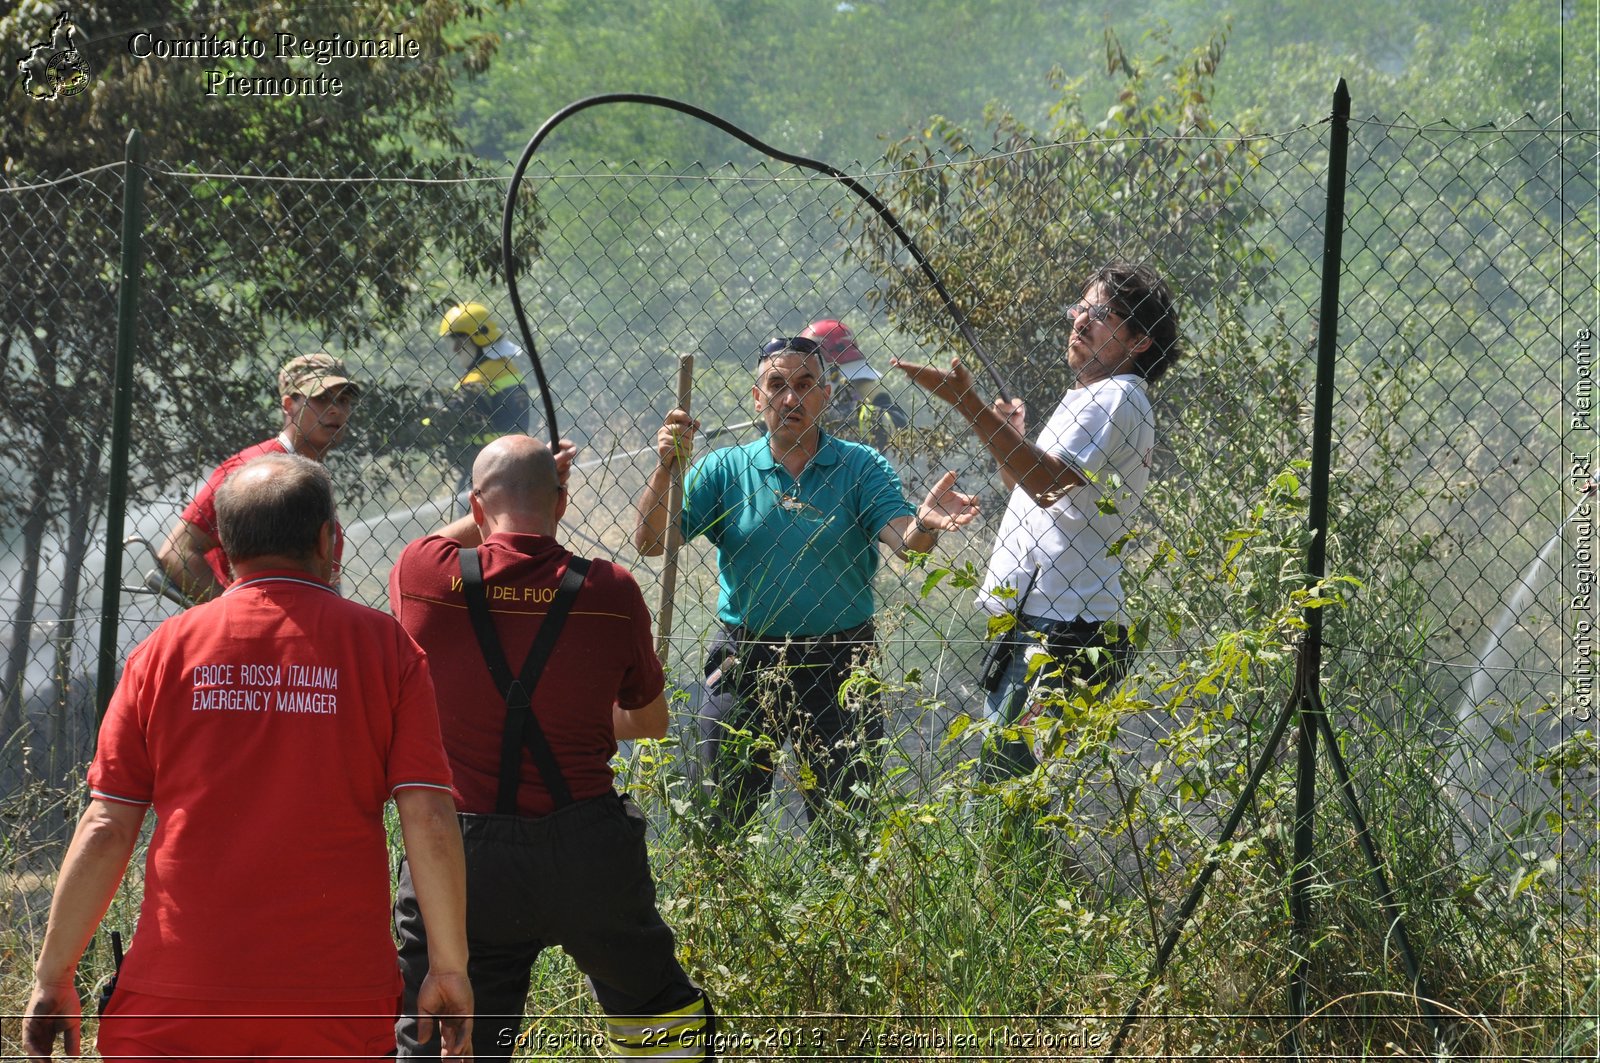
<point>1004,649</point>
<point>997,658</point>
<point>111,983</point>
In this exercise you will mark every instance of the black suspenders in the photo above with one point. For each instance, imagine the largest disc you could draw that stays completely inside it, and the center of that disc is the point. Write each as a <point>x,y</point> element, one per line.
<point>522,727</point>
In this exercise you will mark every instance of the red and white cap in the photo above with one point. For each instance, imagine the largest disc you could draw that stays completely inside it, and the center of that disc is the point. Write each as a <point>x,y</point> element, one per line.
<point>839,349</point>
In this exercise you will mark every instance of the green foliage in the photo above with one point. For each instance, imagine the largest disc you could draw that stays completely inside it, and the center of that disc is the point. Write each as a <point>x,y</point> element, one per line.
<point>386,105</point>
<point>1466,62</point>
<point>1022,217</point>
<point>323,261</point>
<point>840,79</point>
<point>1044,896</point>
<point>812,76</point>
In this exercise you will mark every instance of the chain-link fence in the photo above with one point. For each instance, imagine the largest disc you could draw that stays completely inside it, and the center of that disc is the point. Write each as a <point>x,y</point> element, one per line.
<point>1457,669</point>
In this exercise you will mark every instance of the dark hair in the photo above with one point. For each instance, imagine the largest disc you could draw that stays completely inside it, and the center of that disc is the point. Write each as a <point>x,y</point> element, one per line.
<point>279,515</point>
<point>1142,299</point>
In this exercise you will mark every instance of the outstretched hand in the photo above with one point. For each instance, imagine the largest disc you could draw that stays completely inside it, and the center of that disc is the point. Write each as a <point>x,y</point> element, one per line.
<point>447,1000</point>
<point>953,385</point>
<point>947,509</point>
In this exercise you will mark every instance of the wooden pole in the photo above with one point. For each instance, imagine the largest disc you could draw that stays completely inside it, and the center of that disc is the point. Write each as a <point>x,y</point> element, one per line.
<point>669,569</point>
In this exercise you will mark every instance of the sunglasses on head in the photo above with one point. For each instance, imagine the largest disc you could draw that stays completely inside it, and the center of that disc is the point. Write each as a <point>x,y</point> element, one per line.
<point>797,344</point>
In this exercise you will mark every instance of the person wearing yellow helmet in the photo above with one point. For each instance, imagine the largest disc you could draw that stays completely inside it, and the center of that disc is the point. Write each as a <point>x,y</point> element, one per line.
<point>489,400</point>
<point>472,322</point>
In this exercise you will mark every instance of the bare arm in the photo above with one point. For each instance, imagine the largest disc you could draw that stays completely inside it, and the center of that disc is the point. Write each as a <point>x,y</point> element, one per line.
<point>1015,413</point>
<point>1044,476</point>
<point>438,871</point>
<point>944,509</point>
<point>647,721</point>
<point>182,557</point>
<point>94,865</point>
<point>674,444</point>
<point>463,530</point>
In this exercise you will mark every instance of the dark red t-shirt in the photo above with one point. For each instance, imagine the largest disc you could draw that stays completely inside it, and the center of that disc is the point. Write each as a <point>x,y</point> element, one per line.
<point>267,729</point>
<point>604,657</point>
<point>202,509</point>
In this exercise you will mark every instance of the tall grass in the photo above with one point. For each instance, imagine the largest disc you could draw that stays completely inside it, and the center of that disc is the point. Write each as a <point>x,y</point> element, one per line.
<point>955,917</point>
<point>1018,918</point>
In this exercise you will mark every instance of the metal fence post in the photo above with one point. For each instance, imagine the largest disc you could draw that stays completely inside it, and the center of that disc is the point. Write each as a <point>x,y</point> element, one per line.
<point>121,419</point>
<point>1313,714</point>
<point>1303,703</point>
<point>1308,677</point>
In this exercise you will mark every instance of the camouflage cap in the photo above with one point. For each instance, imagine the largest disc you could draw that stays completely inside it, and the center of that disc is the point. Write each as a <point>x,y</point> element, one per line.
<point>312,374</point>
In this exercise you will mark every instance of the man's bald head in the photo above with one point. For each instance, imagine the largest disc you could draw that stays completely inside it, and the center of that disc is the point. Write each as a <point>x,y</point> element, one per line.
<point>514,479</point>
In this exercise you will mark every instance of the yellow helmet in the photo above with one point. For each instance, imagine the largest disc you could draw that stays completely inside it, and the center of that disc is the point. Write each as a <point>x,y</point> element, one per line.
<point>471,320</point>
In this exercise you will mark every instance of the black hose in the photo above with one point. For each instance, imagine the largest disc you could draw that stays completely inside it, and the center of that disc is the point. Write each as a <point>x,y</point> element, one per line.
<point>509,262</point>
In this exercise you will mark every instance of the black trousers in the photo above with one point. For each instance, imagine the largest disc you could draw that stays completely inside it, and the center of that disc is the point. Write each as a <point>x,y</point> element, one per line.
<point>578,878</point>
<point>762,693</point>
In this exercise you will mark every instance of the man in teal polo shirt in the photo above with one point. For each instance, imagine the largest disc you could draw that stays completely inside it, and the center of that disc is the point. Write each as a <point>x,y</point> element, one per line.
<point>797,518</point>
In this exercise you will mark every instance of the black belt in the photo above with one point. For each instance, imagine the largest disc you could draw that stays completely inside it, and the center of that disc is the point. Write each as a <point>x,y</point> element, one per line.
<point>744,636</point>
<point>1074,626</point>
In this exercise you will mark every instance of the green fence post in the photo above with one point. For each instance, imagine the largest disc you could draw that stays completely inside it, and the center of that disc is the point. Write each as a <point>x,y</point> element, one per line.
<point>121,420</point>
<point>1308,675</point>
<point>1313,714</point>
<point>1303,704</point>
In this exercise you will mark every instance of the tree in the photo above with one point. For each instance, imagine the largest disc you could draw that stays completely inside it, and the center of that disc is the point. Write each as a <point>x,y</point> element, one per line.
<point>817,77</point>
<point>321,257</point>
<point>1020,221</point>
<point>1467,62</point>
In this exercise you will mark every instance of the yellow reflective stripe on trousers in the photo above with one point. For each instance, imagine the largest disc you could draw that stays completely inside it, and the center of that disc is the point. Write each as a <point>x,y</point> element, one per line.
<point>675,1035</point>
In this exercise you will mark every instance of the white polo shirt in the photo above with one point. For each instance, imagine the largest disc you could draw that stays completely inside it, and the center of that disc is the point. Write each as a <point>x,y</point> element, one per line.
<point>1106,431</point>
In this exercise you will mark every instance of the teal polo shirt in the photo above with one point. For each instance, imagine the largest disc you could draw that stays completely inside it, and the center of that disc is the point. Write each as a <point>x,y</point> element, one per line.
<point>795,558</point>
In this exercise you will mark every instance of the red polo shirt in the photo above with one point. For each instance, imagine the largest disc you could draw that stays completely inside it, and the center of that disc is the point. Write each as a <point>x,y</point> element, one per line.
<point>202,509</point>
<point>267,729</point>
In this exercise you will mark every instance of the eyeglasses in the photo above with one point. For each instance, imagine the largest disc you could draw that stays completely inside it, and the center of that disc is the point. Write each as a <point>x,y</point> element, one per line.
<point>797,344</point>
<point>1096,311</point>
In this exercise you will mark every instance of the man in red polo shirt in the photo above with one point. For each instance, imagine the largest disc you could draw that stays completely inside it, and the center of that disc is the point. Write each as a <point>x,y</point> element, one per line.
<point>316,394</point>
<point>268,730</point>
<point>554,855</point>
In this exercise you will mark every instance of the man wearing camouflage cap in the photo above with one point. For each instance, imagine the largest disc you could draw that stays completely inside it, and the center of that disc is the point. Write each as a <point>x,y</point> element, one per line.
<point>316,394</point>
